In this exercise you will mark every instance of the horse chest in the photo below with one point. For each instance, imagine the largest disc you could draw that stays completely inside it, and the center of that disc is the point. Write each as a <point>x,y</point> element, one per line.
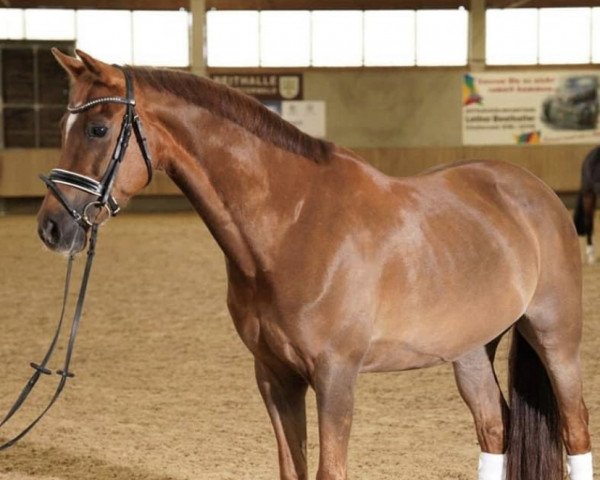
<point>260,328</point>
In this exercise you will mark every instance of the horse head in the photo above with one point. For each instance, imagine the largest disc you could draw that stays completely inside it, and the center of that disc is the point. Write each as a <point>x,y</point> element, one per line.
<point>84,189</point>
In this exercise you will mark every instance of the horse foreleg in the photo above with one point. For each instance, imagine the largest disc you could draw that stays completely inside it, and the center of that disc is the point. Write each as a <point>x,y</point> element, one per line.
<point>479,389</point>
<point>284,395</point>
<point>334,384</point>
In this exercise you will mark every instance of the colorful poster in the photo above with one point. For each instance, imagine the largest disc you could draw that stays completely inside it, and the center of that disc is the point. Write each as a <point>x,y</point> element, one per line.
<point>530,108</point>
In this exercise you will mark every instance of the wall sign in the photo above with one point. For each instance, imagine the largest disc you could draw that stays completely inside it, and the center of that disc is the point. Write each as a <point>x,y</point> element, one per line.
<point>530,107</point>
<point>265,86</point>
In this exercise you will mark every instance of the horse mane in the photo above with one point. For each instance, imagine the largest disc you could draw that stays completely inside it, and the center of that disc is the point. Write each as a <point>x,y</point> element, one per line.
<point>237,107</point>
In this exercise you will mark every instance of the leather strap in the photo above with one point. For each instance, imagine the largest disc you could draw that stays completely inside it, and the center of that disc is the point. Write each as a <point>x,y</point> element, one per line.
<point>64,373</point>
<point>102,190</point>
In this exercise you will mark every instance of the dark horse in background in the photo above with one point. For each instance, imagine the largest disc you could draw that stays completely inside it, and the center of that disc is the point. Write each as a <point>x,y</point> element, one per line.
<point>586,200</point>
<point>336,269</point>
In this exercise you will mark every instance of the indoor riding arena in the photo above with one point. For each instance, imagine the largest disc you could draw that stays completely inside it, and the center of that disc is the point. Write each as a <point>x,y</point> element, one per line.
<point>387,260</point>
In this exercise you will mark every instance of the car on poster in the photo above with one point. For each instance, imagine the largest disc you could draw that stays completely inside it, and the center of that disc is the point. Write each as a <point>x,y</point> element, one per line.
<point>575,104</point>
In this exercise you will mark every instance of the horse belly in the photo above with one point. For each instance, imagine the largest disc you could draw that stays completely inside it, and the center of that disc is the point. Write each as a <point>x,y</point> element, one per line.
<point>435,336</point>
<point>442,318</point>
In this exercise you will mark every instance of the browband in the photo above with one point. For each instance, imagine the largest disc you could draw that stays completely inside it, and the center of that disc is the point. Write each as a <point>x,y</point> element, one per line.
<point>98,101</point>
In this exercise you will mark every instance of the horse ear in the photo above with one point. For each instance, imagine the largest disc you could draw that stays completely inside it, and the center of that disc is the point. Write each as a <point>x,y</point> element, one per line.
<point>104,71</point>
<point>94,66</point>
<point>73,66</point>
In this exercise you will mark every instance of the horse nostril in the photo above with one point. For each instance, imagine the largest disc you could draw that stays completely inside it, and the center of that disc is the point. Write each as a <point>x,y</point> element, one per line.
<point>49,233</point>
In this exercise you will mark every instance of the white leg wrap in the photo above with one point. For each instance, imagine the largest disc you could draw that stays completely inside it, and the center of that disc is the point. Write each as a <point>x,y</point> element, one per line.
<point>580,467</point>
<point>590,254</point>
<point>492,466</point>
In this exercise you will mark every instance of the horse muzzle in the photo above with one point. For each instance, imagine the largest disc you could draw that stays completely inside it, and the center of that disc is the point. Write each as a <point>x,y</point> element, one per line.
<point>61,233</point>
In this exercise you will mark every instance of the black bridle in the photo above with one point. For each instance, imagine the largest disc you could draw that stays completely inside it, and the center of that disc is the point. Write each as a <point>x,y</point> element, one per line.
<point>101,190</point>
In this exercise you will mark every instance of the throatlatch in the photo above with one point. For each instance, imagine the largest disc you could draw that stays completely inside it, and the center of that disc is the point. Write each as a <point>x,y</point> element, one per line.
<point>104,200</point>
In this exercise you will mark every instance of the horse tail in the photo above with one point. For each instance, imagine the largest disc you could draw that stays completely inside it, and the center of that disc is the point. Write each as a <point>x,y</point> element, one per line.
<point>579,217</point>
<point>535,449</point>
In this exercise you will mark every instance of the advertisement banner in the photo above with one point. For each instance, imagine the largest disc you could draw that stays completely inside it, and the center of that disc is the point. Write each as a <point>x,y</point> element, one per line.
<point>509,108</point>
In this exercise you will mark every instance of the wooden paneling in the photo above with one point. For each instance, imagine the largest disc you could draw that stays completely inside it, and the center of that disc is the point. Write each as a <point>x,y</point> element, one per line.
<point>559,165</point>
<point>34,92</point>
<point>18,76</point>
<point>19,170</point>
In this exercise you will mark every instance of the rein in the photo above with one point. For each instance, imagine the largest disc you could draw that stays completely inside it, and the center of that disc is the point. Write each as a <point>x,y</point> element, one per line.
<point>101,190</point>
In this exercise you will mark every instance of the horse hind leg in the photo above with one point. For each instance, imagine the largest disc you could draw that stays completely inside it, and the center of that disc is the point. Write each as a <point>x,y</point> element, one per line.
<point>478,386</point>
<point>552,334</point>
<point>589,208</point>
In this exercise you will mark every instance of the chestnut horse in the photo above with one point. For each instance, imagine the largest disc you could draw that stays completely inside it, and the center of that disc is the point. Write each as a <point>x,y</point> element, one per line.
<point>336,269</point>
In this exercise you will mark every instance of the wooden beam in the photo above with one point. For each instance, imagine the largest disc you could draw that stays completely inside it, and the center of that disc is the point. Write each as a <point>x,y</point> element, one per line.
<point>558,165</point>
<point>198,37</point>
<point>540,3</point>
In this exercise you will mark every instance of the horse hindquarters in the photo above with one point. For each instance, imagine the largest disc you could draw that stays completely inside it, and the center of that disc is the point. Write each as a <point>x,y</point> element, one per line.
<point>534,437</point>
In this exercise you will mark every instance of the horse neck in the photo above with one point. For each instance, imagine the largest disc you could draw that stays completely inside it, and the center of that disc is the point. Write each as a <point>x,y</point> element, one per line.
<point>247,191</point>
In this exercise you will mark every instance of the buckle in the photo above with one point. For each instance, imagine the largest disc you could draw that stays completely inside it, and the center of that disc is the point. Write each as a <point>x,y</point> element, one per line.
<point>87,218</point>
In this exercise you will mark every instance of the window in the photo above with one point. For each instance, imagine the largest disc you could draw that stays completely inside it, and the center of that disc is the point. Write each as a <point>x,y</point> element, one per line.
<point>337,38</point>
<point>565,35</point>
<point>285,38</point>
<point>596,35</point>
<point>511,36</point>
<point>442,37</point>
<point>12,23</point>
<point>158,38</point>
<point>49,24</point>
<point>114,48</point>
<point>232,38</point>
<point>389,37</point>
<point>542,36</point>
<point>168,48</point>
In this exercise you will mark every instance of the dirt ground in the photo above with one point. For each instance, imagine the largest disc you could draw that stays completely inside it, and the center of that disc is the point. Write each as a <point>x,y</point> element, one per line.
<point>164,388</point>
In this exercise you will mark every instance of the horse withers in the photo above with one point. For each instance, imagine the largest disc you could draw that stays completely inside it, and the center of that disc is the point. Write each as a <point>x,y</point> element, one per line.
<point>336,269</point>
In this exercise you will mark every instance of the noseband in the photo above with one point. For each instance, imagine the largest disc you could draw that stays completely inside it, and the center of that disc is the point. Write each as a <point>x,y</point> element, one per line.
<point>102,190</point>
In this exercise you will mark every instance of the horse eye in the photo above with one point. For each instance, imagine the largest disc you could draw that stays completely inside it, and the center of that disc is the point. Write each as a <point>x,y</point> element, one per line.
<point>96,131</point>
